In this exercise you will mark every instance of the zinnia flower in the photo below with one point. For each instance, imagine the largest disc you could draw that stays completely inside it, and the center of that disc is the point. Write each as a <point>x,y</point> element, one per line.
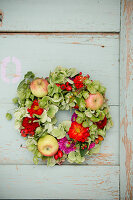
<point>92,145</point>
<point>78,132</point>
<point>29,126</point>
<point>74,117</point>
<point>66,145</point>
<point>102,124</point>
<point>35,109</point>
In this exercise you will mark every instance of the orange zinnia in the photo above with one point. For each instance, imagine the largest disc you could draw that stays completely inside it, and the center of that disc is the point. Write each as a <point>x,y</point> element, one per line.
<point>78,132</point>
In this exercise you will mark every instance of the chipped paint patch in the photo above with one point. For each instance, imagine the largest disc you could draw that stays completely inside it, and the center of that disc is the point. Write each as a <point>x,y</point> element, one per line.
<point>126,122</point>
<point>75,42</point>
<point>126,99</point>
<point>102,158</point>
<point>1,18</point>
<point>129,53</point>
<point>128,151</point>
<point>16,167</point>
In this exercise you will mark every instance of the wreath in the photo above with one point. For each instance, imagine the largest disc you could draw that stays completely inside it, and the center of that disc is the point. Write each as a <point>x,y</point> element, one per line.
<point>39,99</point>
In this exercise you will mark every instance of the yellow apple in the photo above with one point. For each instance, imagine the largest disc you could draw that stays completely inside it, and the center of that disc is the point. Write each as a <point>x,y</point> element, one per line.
<point>39,87</point>
<point>48,145</point>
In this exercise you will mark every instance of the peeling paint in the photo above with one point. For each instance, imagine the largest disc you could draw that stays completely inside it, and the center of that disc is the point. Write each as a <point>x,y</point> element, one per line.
<point>129,53</point>
<point>16,167</point>
<point>127,110</point>
<point>69,34</point>
<point>75,42</point>
<point>102,159</point>
<point>1,18</point>
<point>128,150</point>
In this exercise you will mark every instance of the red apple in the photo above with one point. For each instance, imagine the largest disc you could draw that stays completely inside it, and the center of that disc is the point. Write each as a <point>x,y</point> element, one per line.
<point>48,145</point>
<point>94,101</point>
<point>39,87</point>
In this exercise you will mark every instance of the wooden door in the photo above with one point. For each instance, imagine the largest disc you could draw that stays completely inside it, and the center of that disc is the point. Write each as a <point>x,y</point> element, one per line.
<point>88,35</point>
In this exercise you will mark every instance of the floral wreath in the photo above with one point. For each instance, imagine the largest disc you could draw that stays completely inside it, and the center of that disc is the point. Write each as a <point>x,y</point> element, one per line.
<point>39,99</point>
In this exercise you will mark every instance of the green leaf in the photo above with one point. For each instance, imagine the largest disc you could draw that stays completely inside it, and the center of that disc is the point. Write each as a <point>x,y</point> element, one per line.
<point>93,127</point>
<point>66,125</point>
<point>52,111</point>
<point>72,72</point>
<point>102,89</point>
<point>8,116</point>
<point>35,160</point>
<point>96,84</point>
<point>51,161</point>
<point>15,100</point>
<point>101,132</point>
<point>58,132</point>
<point>83,151</point>
<point>29,75</point>
<point>82,104</point>
<point>94,119</point>
<point>79,120</point>
<point>43,117</point>
<point>43,102</point>
<point>95,150</point>
<point>21,85</point>
<point>39,130</point>
<point>85,94</point>
<point>75,156</point>
<point>88,113</point>
<point>86,124</point>
<point>72,156</point>
<point>28,103</point>
<point>91,89</point>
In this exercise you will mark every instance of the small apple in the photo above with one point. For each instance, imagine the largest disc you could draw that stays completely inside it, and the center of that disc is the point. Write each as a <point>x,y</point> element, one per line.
<point>94,101</point>
<point>48,145</point>
<point>39,87</point>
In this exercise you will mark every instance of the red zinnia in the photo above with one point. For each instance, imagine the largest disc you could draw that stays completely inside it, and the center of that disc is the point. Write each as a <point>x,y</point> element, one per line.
<point>35,109</point>
<point>78,132</point>
<point>29,126</point>
<point>102,124</point>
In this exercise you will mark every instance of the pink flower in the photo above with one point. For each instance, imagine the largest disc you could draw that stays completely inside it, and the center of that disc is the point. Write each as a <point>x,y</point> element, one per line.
<point>74,117</point>
<point>92,145</point>
<point>66,145</point>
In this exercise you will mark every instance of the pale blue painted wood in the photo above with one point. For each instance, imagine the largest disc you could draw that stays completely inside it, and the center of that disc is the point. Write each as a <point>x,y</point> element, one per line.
<point>11,151</point>
<point>60,182</point>
<point>126,101</point>
<point>61,15</point>
<point>95,54</point>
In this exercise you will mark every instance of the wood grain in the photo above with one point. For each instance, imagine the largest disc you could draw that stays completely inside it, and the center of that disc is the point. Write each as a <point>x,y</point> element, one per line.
<point>95,54</point>
<point>126,101</point>
<point>65,182</point>
<point>13,149</point>
<point>60,16</point>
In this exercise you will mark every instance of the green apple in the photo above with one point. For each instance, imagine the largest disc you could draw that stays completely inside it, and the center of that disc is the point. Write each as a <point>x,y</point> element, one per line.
<point>48,145</point>
<point>39,87</point>
<point>94,101</point>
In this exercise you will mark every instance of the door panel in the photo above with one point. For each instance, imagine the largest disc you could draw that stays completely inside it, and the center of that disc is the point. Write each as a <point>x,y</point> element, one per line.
<point>60,16</point>
<point>59,182</point>
<point>37,36</point>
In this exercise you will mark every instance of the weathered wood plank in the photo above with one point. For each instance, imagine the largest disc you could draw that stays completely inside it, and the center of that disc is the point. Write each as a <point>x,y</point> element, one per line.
<point>95,54</point>
<point>13,149</point>
<point>65,182</point>
<point>126,101</point>
<point>60,16</point>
